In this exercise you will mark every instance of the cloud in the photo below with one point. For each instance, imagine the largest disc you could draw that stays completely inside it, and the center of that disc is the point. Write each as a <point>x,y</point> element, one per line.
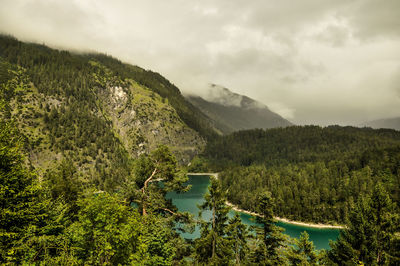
<point>395,82</point>
<point>315,61</point>
<point>334,34</point>
<point>372,18</point>
<point>223,96</point>
<point>283,110</point>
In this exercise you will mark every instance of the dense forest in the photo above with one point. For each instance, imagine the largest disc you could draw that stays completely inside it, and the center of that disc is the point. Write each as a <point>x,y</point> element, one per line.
<point>316,174</point>
<point>79,186</point>
<point>282,146</point>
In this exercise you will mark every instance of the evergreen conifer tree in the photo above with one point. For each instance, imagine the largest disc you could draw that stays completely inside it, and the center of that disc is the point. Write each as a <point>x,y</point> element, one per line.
<point>270,239</point>
<point>20,207</point>
<point>213,246</point>
<point>238,234</point>
<point>303,253</point>
<point>370,234</point>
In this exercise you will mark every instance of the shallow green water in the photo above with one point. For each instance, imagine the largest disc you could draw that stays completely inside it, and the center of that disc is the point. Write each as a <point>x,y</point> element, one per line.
<point>189,201</point>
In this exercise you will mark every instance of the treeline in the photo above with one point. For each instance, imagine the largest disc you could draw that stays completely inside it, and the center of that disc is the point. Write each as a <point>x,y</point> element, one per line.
<point>315,174</point>
<point>296,144</point>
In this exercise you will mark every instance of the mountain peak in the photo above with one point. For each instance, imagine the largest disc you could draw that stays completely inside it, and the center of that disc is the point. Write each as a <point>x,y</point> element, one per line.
<point>221,95</point>
<point>232,111</point>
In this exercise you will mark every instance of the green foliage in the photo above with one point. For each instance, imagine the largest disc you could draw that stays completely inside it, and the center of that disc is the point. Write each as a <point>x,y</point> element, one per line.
<point>370,235</point>
<point>318,173</point>
<point>303,253</point>
<point>107,232</point>
<point>238,235</point>
<point>62,183</point>
<point>213,246</point>
<point>161,165</point>
<point>161,241</point>
<point>198,165</point>
<point>19,195</point>
<point>47,242</point>
<point>52,96</point>
<point>270,239</point>
<point>291,145</point>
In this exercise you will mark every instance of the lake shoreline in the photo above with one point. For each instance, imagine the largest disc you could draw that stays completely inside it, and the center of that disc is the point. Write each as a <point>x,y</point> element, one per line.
<point>280,219</point>
<point>285,220</point>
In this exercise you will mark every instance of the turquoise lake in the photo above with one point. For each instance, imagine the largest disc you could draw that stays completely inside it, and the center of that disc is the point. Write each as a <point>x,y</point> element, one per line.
<point>188,202</point>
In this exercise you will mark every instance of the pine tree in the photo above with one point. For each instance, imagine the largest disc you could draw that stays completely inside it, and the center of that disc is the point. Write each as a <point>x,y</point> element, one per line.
<point>107,232</point>
<point>238,234</point>
<point>269,237</point>
<point>213,246</point>
<point>19,195</point>
<point>63,183</point>
<point>370,234</point>
<point>161,165</point>
<point>303,253</point>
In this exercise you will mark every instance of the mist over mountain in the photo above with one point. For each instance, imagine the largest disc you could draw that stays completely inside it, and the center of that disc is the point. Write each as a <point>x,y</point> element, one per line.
<point>232,112</point>
<point>392,123</point>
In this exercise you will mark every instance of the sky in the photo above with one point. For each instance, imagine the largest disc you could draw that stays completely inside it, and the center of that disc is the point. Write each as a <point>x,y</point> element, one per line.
<point>312,61</point>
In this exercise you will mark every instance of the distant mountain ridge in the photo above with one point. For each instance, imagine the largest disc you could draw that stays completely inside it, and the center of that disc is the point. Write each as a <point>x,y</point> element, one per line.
<point>233,112</point>
<point>392,123</point>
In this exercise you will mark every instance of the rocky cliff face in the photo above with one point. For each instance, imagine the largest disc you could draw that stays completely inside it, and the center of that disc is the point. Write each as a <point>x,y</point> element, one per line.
<point>139,118</point>
<point>144,120</point>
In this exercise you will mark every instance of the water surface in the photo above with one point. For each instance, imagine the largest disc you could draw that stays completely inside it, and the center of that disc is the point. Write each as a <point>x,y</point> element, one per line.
<point>188,202</point>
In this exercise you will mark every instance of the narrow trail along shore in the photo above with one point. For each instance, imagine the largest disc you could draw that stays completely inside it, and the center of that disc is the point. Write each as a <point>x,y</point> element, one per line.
<point>215,175</point>
<point>284,220</point>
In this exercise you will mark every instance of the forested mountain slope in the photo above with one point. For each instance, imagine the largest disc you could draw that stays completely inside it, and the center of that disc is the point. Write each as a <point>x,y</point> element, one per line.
<point>316,174</point>
<point>93,110</point>
<point>155,82</point>
<point>297,144</point>
<point>233,112</point>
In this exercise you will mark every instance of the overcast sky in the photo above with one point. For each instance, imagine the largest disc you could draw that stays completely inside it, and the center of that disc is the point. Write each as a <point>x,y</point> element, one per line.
<point>312,61</point>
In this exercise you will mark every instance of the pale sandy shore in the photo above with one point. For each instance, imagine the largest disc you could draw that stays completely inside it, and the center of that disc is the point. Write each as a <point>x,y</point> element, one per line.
<point>283,220</point>
<point>215,175</point>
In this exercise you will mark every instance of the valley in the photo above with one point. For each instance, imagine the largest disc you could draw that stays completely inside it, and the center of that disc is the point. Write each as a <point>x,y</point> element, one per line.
<point>85,138</point>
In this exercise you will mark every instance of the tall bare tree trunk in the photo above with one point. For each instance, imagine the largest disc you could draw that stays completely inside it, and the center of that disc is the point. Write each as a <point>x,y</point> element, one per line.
<point>144,213</point>
<point>213,228</point>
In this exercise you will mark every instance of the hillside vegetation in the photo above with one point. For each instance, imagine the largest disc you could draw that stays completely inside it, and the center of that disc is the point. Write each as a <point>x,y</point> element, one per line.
<point>93,110</point>
<point>315,174</point>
